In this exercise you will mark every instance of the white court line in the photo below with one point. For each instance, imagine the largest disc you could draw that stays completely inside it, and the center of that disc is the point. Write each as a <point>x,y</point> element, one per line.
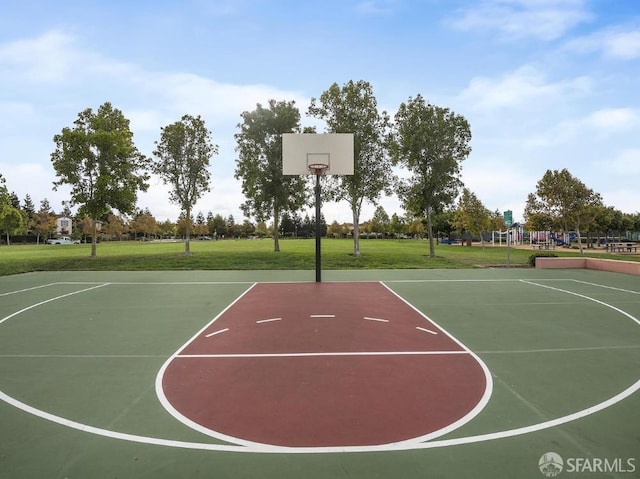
<point>559,350</point>
<point>607,287</point>
<point>50,300</point>
<point>426,330</point>
<point>247,355</point>
<point>268,320</point>
<point>8,293</point>
<point>217,332</point>
<point>376,319</point>
<point>312,355</point>
<point>585,297</point>
<point>83,356</point>
<point>322,316</point>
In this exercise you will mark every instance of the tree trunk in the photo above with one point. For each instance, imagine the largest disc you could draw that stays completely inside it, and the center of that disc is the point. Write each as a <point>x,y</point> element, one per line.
<point>579,240</point>
<point>187,239</point>
<point>356,234</point>
<point>94,228</point>
<point>432,248</point>
<point>276,233</point>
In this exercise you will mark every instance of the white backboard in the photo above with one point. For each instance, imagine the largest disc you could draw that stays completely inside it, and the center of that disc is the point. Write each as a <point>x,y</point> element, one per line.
<point>299,150</point>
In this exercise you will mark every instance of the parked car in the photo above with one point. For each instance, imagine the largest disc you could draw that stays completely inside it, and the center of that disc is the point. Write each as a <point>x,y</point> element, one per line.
<point>62,240</point>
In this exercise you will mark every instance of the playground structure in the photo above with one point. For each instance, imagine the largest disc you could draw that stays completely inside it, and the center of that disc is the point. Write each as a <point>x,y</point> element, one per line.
<point>551,237</point>
<point>513,236</point>
<point>517,236</point>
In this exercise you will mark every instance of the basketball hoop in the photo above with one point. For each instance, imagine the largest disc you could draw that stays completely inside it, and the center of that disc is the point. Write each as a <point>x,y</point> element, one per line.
<point>318,168</point>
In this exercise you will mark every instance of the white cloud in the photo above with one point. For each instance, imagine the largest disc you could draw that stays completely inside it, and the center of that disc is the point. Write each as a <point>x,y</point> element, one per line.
<point>525,87</point>
<point>599,125</point>
<point>618,43</point>
<point>626,200</point>
<point>47,58</point>
<point>371,7</point>
<point>625,164</point>
<point>614,119</point>
<point>541,19</point>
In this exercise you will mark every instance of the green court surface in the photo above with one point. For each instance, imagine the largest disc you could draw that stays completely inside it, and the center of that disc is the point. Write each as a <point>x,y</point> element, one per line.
<point>80,354</point>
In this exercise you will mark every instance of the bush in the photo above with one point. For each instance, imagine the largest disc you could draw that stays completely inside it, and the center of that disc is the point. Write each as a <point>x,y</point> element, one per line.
<point>532,258</point>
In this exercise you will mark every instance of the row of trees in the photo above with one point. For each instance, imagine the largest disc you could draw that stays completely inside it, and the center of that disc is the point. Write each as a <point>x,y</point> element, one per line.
<point>428,141</point>
<point>99,161</point>
<point>468,216</point>
<point>105,171</point>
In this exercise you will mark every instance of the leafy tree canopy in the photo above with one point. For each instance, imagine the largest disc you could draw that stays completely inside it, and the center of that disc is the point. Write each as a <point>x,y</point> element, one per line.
<point>182,161</point>
<point>353,108</point>
<point>430,142</point>
<point>99,161</point>
<point>269,193</point>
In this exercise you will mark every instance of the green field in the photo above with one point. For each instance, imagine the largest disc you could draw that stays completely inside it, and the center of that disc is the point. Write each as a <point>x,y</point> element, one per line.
<point>296,254</point>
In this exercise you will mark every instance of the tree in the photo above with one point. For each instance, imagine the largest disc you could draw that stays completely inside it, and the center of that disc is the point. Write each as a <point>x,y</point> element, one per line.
<point>269,193</point>
<point>167,229</point>
<point>43,222</point>
<point>183,155</point>
<point>28,207</point>
<point>416,228</point>
<point>98,159</point>
<point>442,222</point>
<point>10,217</point>
<point>430,142</point>
<point>471,215</point>
<point>144,223</point>
<point>200,227</point>
<point>353,109</point>
<point>217,225</point>
<point>565,200</point>
<point>380,221</point>
<point>14,200</point>
<point>11,220</point>
<point>114,227</point>
<point>397,225</point>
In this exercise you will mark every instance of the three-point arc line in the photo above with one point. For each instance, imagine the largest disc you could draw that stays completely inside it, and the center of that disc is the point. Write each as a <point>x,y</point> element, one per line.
<point>318,316</point>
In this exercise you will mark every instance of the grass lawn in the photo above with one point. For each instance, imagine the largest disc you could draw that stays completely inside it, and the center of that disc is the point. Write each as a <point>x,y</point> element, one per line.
<point>298,254</point>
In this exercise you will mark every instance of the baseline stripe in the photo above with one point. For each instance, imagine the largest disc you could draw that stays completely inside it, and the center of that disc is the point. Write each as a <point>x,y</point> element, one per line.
<point>304,355</point>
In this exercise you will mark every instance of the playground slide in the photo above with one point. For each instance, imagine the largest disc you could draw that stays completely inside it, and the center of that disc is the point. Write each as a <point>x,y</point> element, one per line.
<point>559,242</point>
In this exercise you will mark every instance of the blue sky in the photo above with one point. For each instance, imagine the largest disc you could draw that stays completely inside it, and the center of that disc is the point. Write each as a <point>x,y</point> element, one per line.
<point>545,84</point>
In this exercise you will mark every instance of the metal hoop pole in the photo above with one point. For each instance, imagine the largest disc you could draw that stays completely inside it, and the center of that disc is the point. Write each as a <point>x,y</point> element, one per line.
<point>318,229</point>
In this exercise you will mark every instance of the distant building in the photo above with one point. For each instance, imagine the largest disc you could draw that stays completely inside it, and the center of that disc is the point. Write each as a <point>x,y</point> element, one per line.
<point>64,226</point>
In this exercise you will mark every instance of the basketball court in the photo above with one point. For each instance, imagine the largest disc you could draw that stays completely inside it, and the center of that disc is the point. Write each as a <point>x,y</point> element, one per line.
<point>475,373</point>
